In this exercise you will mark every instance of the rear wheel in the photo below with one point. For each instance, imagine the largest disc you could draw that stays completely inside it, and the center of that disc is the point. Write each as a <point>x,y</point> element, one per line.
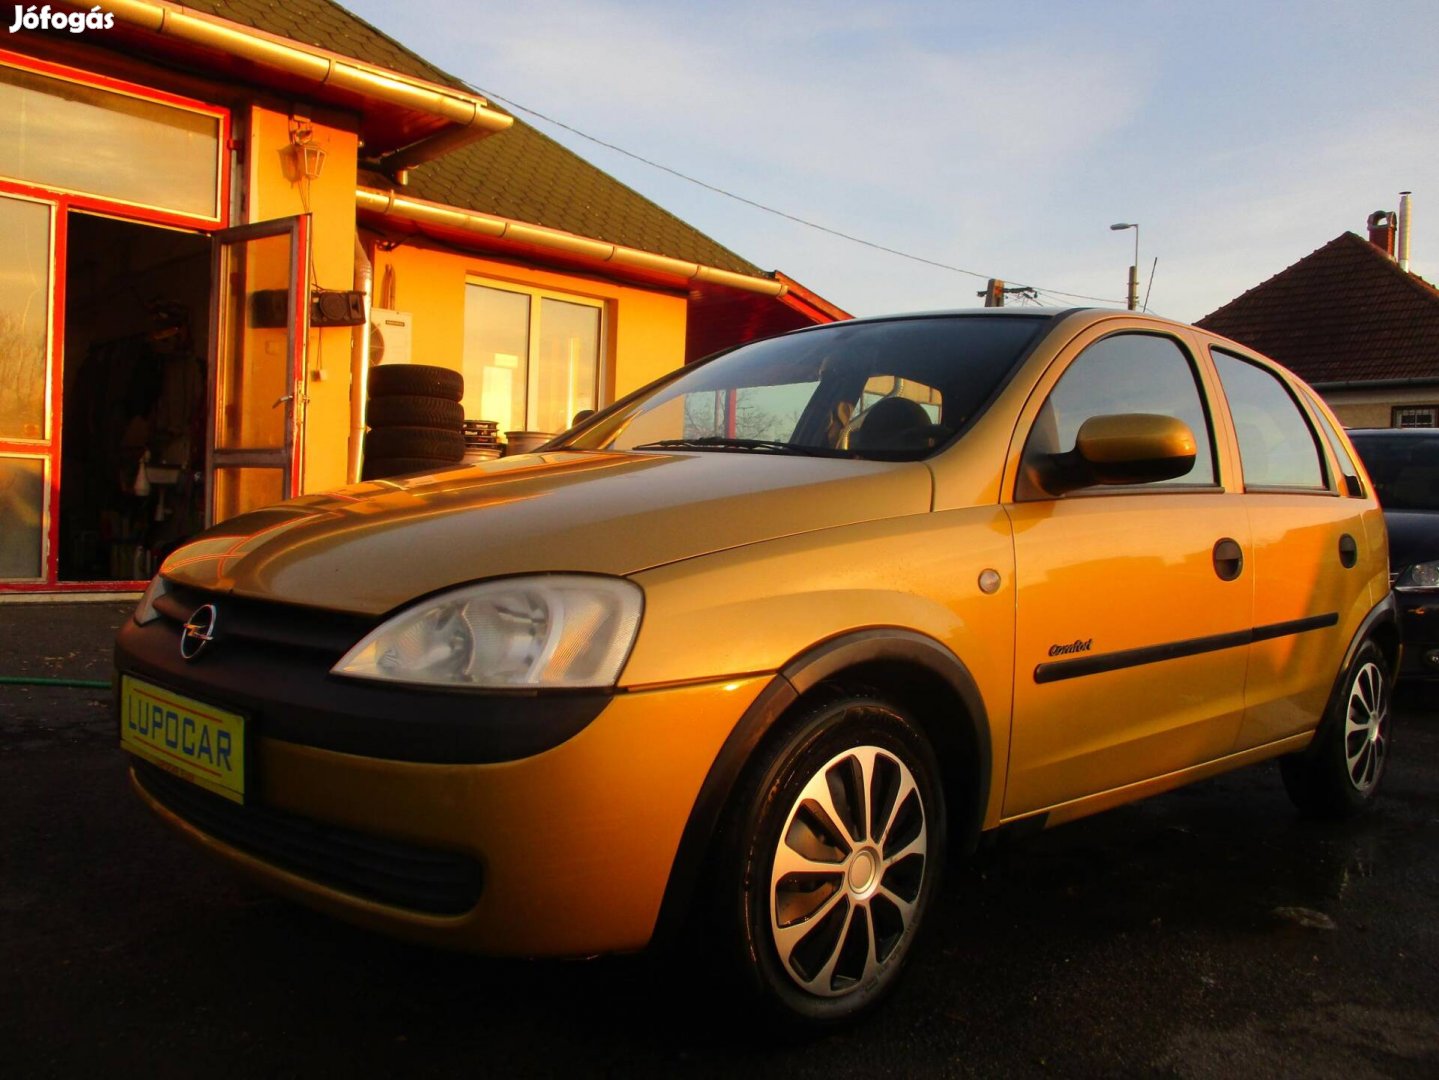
<point>835,855</point>
<point>1339,774</point>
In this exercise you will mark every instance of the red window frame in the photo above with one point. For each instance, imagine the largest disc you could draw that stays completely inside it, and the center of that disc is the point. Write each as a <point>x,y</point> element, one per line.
<point>63,201</point>
<point>80,200</point>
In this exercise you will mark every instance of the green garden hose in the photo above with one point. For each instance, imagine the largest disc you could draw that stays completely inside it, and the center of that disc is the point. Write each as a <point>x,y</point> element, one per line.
<point>29,680</point>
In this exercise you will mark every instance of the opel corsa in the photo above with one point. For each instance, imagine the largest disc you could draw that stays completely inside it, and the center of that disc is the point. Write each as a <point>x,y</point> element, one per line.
<point>756,647</point>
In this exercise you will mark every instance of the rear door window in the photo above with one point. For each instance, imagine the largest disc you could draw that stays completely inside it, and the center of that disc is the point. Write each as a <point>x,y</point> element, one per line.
<point>1277,447</point>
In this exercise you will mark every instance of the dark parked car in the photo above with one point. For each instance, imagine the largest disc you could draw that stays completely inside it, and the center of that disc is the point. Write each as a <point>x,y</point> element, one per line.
<point>1403,463</point>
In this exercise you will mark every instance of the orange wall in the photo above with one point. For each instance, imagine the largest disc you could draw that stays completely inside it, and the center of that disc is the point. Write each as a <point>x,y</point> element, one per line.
<point>331,201</point>
<point>645,330</point>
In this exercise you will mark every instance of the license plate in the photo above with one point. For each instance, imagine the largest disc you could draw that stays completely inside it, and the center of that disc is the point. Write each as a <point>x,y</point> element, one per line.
<point>195,741</point>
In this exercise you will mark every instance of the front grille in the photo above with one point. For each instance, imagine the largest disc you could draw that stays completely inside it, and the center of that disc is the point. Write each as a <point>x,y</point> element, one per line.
<point>371,867</point>
<point>267,624</point>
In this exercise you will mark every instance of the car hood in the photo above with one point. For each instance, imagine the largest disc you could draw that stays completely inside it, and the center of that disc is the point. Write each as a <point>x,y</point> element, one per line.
<point>1413,536</point>
<point>370,548</point>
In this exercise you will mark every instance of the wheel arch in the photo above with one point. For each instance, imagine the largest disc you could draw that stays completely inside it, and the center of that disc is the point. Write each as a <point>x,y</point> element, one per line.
<point>921,675</point>
<point>1380,626</point>
<point>1312,776</point>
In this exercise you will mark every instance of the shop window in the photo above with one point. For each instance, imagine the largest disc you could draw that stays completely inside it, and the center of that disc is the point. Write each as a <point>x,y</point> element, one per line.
<point>24,317</point>
<point>73,137</point>
<point>22,510</point>
<point>531,358</point>
<point>1412,416</point>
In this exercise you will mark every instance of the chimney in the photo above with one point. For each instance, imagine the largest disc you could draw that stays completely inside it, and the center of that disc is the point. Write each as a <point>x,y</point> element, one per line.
<point>1381,231</point>
<point>1406,223</point>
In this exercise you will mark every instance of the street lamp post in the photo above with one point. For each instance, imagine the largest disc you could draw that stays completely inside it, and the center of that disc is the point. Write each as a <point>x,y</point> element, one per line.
<point>1133,270</point>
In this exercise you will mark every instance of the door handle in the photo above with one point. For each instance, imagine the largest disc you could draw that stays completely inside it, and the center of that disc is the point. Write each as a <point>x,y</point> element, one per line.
<point>1228,559</point>
<point>281,400</point>
<point>1348,551</point>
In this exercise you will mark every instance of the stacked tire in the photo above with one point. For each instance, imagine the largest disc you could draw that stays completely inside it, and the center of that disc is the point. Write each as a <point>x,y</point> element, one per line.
<point>415,418</point>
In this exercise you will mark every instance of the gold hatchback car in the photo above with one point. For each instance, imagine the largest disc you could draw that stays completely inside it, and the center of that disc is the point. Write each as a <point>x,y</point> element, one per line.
<point>763,642</point>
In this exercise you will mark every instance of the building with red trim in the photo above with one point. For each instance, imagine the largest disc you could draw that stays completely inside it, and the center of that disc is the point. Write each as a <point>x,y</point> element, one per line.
<point>215,219</point>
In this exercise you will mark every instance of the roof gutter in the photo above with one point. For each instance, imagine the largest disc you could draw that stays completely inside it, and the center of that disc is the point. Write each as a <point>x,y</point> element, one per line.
<point>471,115</point>
<point>422,212</point>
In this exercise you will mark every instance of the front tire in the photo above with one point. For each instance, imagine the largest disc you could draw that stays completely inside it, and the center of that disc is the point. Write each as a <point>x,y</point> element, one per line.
<point>836,851</point>
<point>1339,774</point>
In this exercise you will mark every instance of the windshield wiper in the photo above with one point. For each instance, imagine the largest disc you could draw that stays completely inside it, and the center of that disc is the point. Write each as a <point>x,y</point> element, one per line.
<point>724,442</point>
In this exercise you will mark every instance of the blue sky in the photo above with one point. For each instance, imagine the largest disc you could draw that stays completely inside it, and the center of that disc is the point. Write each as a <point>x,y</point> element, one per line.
<point>1002,139</point>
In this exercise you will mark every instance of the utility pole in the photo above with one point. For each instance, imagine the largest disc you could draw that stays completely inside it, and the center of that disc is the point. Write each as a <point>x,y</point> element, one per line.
<point>995,292</point>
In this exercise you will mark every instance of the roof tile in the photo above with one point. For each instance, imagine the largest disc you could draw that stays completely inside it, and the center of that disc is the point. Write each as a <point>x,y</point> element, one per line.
<point>1345,313</point>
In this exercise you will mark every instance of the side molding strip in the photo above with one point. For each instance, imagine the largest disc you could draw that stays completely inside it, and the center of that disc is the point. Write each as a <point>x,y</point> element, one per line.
<point>1154,654</point>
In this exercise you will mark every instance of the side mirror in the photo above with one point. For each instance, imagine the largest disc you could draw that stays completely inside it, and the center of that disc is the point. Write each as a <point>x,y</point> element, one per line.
<point>1124,448</point>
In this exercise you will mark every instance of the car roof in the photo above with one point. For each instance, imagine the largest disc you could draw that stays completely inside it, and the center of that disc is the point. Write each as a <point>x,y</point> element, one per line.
<point>1084,314</point>
<point>1392,432</point>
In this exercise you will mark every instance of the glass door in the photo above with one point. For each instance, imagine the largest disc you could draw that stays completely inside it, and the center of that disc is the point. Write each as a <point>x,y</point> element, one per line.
<point>260,326</point>
<point>27,430</point>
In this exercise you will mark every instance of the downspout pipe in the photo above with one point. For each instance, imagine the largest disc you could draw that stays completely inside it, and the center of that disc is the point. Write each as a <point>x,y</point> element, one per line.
<point>471,115</point>
<point>360,363</point>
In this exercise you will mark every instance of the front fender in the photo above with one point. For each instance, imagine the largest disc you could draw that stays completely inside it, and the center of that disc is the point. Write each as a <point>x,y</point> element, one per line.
<point>965,747</point>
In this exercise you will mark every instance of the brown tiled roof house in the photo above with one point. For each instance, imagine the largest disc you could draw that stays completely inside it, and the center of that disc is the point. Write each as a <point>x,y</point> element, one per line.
<point>1354,324</point>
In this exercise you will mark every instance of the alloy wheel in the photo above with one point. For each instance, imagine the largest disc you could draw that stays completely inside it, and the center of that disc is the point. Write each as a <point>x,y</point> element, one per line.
<point>848,871</point>
<point>1366,727</point>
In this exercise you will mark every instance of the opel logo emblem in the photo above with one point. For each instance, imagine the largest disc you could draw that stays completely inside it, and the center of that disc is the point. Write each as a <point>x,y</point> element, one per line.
<point>199,631</point>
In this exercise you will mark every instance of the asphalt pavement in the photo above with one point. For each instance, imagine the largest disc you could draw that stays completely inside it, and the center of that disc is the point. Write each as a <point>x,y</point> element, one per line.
<point>1210,932</point>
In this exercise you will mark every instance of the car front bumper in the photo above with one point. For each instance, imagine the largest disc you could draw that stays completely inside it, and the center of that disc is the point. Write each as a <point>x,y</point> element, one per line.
<point>561,851</point>
<point>1419,622</point>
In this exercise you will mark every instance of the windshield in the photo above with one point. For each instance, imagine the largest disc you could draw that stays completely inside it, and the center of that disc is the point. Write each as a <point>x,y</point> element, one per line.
<point>891,390</point>
<point>1404,468</point>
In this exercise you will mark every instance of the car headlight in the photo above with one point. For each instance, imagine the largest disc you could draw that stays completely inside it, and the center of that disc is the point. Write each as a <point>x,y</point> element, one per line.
<point>145,610</point>
<point>1422,575</point>
<point>555,630</point>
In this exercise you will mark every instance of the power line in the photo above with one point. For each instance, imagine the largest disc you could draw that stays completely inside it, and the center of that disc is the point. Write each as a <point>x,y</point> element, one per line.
<point>759,205</point>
